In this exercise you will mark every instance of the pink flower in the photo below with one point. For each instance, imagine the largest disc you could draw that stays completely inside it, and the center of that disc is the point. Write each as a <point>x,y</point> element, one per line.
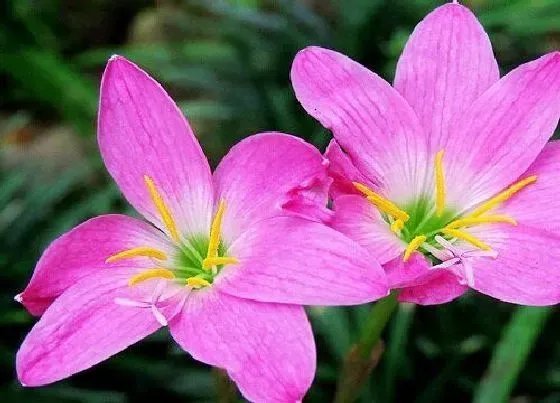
<point>228,264</point>
<point>447,178</point>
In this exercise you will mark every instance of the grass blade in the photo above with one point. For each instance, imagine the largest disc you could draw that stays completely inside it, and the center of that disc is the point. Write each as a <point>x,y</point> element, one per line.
<point>511,353</point>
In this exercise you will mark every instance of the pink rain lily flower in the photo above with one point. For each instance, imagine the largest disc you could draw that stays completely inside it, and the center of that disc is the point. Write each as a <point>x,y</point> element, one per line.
<point>227,264</point>
<point>446,177</point>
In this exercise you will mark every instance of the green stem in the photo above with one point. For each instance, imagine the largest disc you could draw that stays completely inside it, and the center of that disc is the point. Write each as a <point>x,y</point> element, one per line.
<point>363,356</point>
<point>226,392</point>
<point>377,320</point>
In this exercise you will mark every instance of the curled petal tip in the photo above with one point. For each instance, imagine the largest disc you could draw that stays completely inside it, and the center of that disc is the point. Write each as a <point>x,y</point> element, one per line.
<point>115,57</point>
<point>19,298</point>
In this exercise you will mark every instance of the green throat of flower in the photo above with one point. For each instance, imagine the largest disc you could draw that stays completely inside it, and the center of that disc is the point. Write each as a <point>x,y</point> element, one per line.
<point>196,261</point>
<point>423,223</point>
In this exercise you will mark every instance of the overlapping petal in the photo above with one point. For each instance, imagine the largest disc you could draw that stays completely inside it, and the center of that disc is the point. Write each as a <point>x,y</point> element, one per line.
<point>267,349</point>
<point>82,252</point>
<point>343,172</point>
<point>293,260</point>
<point>371,121</point>
<point>538,205</point>
<point>526,269</point>
<point>83,327</point>
<point>142,133</point>
<point>436,287</point>
<point>447,63</point>
<point>267,174</point>
<point>504,130</point>
<point>357,218</point>
<point>403,274</point>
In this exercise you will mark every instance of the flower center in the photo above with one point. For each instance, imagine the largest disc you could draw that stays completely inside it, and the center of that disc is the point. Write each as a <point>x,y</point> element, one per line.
<point>198,259</point>
<point>431,227</point>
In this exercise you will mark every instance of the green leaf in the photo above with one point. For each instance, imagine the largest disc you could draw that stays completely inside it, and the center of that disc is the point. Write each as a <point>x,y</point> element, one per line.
<point>511,353</point>
<point>47,78</point>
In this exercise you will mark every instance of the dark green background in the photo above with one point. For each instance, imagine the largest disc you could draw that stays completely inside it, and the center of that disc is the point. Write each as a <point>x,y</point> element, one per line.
<point>227,64</point>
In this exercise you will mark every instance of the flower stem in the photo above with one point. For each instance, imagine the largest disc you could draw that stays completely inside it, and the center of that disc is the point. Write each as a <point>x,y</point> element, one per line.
<point>377,320</point>
<point>225,389</point>
<point>364,356</point>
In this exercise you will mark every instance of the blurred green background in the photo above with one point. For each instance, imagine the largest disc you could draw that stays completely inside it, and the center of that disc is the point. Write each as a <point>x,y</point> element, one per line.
<point>227,64</point>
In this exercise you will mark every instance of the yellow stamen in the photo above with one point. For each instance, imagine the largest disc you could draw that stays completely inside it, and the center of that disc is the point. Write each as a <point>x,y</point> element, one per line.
<point>412,246</point>
<point>156,272</point>
<point>197,282</point>
<point>135,252</point>
<point>489,219</point>
<point>455,233</point>
<point>215,229</point>
<point>440,184</point>
<point>397,226</point>
<point>162,208</point>
<point>502,197</point>
<point>381,203</point>
<point>218,261</point>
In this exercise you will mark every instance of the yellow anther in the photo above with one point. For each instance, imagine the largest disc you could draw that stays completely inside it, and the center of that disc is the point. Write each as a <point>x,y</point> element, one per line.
<point>144,251</point>
<point>502,197</point>
<point>215,229</point>
<point>218,261</point>
<point>156,272</point>
<point>455,233</point>
<point>489,219</point>
<point>397,226</point>
<point>197,282</point>
<point>162,208</point>
<point>381,203</point>
<point>440,184</point>
<point>412,246</point>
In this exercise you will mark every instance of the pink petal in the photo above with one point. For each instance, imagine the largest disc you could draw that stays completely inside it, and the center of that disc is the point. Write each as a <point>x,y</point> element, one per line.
<point>266,174</point>
<point>503,131</point>
<point>402,274</point>
<point>291,260</point>
<point>447,63</point>
<point>83,327</point>
<point>83,251</point>
<point>142,132</point>
<point>343,172</point>
<point>437,287</point>
<point>526,270</point>
<point>267,349</point>
<point>370,120</point>
<point>358,219</point>
<point>538,205</point>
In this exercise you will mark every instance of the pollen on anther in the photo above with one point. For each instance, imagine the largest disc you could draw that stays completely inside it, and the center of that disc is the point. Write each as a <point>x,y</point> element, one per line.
<point>413,246</point>
<point>440,184</point>
<point>156,272</point>
<point>197,282</point>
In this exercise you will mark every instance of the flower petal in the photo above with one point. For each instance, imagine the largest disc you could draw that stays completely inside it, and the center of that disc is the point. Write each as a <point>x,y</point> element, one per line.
<point>267,349</point>
<point>83,327</point>
<point>437,287</point>
<point>503,131</point>
<point>358,219</point>
<point>143,133</point>
<point>447,63</point>
<point>370,120</point>
<point>343,172</point>
<point>292,260</point>
<point>266,173</point>
<point>526,270</point>
<point>538,205</point>
<point>83,251</point>
<point>403,274</point>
